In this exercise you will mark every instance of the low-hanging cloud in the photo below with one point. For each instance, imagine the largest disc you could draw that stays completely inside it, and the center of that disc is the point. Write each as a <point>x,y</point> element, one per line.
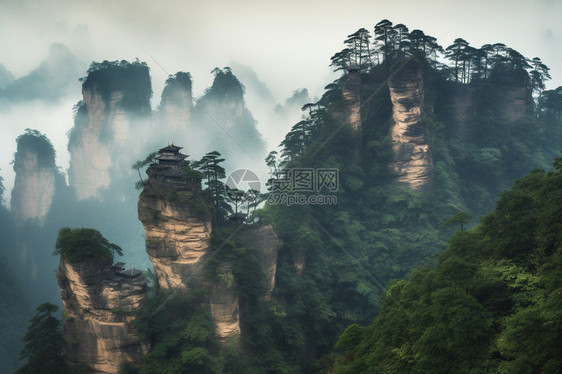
<point>287,44</point>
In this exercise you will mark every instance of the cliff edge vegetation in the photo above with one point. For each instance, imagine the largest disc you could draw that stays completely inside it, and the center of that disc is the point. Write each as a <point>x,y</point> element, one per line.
<point>77,245</point>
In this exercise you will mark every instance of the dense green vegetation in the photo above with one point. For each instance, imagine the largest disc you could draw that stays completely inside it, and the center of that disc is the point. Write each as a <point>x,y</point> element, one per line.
<point>181,81</point>
<point>488,303</point>
<point>43,343</point>
<point>226,86</point>
<point>180,329</point>
<point>35,142</point>
<point>14,312</point>
<point>180,334</point>
<point>335,260</point>
<point>130,78</point>
<point>491,302</point>
<point>77,245</point>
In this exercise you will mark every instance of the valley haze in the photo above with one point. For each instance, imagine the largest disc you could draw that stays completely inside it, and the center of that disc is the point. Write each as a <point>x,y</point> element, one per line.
<point>287,44</point>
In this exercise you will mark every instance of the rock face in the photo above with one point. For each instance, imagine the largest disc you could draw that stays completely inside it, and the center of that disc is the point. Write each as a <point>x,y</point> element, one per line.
<point>36,172</point>
<point>266,241</point>
<point>90,157</point>
<point>98,306</point>
<point>107,126</point>
<point>176,104</point>
<point>352,109</point>
<point>517,100</point>
<point>463,108</point>
<point>223,115</point>
<point>224,304</point>
<point>412,161</point>
<point>178,232</point>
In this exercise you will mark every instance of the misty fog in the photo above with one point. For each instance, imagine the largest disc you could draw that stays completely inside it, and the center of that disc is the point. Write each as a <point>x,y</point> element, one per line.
<point>278,51</point>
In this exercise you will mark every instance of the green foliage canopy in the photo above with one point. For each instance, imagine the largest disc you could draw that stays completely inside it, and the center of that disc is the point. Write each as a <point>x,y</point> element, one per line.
<point>490,304</point>
<point>43,343</point>
<point>77,245</point>
<point>36,142</point>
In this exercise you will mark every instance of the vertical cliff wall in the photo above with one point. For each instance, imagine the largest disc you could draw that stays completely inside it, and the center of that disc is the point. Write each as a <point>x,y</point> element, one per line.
<point>352,109</point>
<point>224,300</point>
<point>36,172</point>
<point>107,130</point>
<point>178,242</point>
<point>227,123</point>
<point>90,156</point>
<point>412,160</point>
<point>178,230</point>
<point>99,307</point>
<point>265,240</point>
<point>224,303</point>
<point>516,97</point>
<point>174,113</point>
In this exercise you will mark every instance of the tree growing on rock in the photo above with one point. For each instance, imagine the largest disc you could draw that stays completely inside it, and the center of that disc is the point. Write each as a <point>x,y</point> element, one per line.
<point>77,245</point>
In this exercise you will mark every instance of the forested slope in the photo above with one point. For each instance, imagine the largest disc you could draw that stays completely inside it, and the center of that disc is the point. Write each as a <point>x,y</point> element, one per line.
<point>489,303</point>
<point>486,121</point>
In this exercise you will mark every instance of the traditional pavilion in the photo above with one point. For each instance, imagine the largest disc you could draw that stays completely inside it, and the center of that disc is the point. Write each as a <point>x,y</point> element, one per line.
<point>170,155</point>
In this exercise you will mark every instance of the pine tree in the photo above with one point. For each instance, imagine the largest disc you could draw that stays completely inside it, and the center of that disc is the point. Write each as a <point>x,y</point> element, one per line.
<point>43,343</point>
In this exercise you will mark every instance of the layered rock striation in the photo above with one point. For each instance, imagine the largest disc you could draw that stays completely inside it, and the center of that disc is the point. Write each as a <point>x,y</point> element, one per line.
<point>177,227</point>
<point>352,109</point>
<point>99,304</point>
<point>412,162</point>
<point>90,155</point>
<point>35,183</point>
<point>107,126</point>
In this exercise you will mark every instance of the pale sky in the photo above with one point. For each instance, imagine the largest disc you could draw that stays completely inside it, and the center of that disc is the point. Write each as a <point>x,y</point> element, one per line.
<point>288,43</point>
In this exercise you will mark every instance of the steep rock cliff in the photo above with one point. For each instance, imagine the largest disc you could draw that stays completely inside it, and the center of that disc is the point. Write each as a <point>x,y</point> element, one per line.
<point>98,310</point>
<point>90,157</point>
<point>36,174</point>
<point>224,303</point>
<point>176,104</point>
<point>107,128</point>
<point>516,97</point>
<point>178,231</point>
<point>352,109</point>
<point>223,115</point>
<point>178,242</point>
<point>265,240</point>
<point>412,160</point>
